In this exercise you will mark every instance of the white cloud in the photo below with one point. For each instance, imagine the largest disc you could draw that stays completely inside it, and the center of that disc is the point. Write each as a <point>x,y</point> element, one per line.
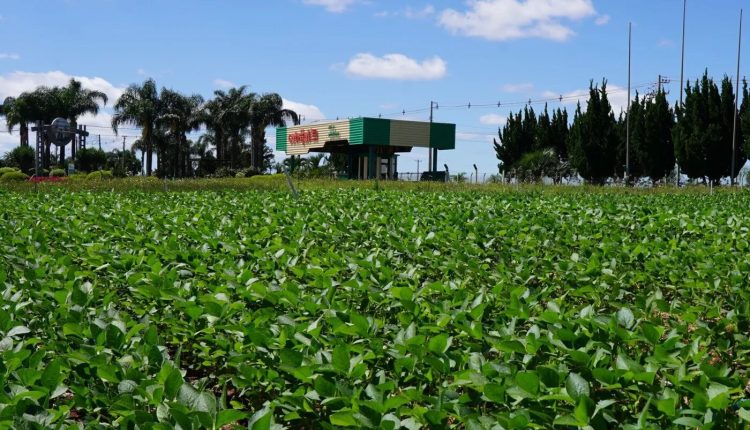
<point>602,20</point>
<point>474,137</point>
<point>524,87</point>
<point>141,72</point>
<point>424,12</point>
<point>395,66</point>
<point>493,119</point>
<point>9,56</point>
<point>617,96</point>
<point>409,12</point>
<point>310,112</point>
<point>14,83</point>
<point>335,6</point>
<point>500,20</point>
<point>7,141</point>
<point>224,84</point>
<point>665,43</point>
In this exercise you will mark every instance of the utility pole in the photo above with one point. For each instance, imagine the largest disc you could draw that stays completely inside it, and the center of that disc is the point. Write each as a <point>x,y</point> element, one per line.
<point>100,142</point>
<point>682,71</point>
<point>418,168</point>
<point>736,100</point>
<point>627,115</point>
<point>429,150</point>
<point>123,154</point>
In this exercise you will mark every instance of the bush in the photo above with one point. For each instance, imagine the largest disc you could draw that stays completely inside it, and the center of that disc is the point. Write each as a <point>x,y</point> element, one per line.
<point>57,172</point>
<point>225,172</point>
<point>78,176</point>
<point>90,159</point>
<point>21,157</point>
<point>248,172</point>
<point>4,170</point>
<point>14,177</point>
<point>100,175</point>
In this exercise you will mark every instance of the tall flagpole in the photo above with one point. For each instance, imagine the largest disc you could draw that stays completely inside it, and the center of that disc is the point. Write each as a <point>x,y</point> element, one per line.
<point>682,70</point>
<point>627,115</point>
<point>736,100</point>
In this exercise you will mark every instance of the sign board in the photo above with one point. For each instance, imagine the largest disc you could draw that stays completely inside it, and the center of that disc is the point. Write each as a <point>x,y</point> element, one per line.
<point>59,132</point>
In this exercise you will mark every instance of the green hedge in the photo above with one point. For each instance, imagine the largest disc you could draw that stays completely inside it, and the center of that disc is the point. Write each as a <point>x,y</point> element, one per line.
<point>100,175</point>
<point>14,176</point>
<point>4,170</point>
<point>57,172</point>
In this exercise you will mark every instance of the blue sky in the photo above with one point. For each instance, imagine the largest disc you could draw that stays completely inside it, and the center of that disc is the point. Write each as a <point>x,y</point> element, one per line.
<point>348,58</point>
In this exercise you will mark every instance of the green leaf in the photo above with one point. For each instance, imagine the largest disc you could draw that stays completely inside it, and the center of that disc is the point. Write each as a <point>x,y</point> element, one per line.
<point>340,358</point>
<point>576,386</point>
<point>51,376</point>
<point>229,416</point>
<point>582,411</point>
<point>18,330</point>
<point>439,344</point>
<point>173,383</point>
<point>197,401</point>
<point>261,419</point>
<point>688,422</point>
<point>343,419</point>
<point>126,386</point>
<point>495,392</point>
<point>744,414</point>
<point>528,381</point>
<point>626,318</point>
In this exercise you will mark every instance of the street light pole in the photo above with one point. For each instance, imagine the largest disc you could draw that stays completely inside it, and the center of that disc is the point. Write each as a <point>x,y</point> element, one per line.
<point>736,100</point>
<point>627,115</point>
<point>682,72</point>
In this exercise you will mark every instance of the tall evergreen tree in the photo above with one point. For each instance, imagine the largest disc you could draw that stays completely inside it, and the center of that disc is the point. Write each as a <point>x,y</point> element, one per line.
<point>658,154</point>
<point>544,135</point>
<point>728,115</point>
<point>516,138</point>
<point>638,140</point>
<point>744,120</point>
<point>560,131</point>
<point>703,134</point>
<point>593,137</point>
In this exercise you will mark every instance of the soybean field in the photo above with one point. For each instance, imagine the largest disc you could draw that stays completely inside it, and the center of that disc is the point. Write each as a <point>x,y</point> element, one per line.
<point>381,309</point>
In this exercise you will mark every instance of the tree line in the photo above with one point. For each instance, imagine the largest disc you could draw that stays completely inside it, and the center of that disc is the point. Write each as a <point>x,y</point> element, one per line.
<point>696,136</point>
<point>234,123</point>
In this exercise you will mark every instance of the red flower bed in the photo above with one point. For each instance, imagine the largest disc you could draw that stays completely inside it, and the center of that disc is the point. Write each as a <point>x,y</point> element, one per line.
<point>46,179</point>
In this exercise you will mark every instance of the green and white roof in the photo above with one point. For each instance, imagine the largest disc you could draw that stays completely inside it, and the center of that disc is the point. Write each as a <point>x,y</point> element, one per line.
<point>302,139</point>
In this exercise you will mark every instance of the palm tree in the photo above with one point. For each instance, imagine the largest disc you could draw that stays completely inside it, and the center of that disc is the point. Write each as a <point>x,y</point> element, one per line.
<point>42,104</point>
<point>25,109</point>
<point>139,105</point>
<point>139,145</point>
<point>74,102</point>
<point>180,115</point>
<point>15,111</point>
<point>230,112</point>
<point>200,150</point>
<point>267,111</point>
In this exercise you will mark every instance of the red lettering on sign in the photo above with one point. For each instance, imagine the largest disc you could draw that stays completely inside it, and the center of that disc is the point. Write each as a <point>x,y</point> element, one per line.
<point>303,137</point>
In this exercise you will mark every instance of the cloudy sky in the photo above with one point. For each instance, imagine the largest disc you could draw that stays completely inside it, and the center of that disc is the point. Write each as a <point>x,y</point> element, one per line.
<point>348,58</point>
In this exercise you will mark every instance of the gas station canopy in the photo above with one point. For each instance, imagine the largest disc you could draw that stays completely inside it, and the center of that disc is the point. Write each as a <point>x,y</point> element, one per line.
<point>367,141</point>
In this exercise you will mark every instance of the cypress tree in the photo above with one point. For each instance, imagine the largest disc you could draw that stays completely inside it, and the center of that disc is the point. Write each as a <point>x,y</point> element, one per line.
<point>658,155</point>
<point>703,133</point>
<point>594,145</point>
<point>560,131</point>
<point>638,143</point>
<point>516,138</point>
<point>544,132</point>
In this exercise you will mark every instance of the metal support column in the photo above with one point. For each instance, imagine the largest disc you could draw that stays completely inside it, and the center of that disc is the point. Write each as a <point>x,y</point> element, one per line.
<point>39,149</point>
<point>371,164</point>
